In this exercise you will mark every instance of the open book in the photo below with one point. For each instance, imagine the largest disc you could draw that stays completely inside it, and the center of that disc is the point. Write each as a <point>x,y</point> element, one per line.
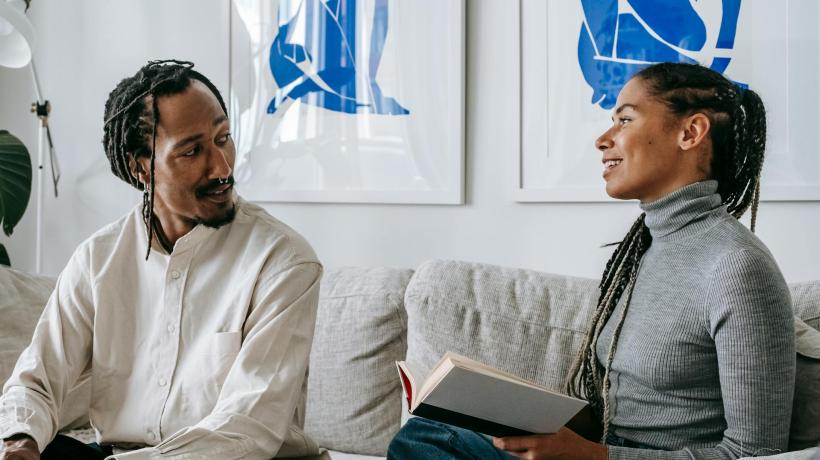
<point>471,395</point>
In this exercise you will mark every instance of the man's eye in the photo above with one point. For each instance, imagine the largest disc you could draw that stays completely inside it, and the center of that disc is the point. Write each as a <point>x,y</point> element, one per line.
<point>223,139</point>
<point>192,152</point>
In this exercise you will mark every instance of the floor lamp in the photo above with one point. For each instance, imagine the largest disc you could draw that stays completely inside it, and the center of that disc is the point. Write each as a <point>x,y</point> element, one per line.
<point>16,48</point>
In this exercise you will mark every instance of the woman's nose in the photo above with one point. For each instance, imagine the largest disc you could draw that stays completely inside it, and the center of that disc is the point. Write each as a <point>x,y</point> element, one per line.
<point>604,141</point>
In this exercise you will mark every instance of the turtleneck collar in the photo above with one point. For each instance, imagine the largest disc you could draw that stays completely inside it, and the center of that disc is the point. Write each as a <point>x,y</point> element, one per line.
<point>684,212</point>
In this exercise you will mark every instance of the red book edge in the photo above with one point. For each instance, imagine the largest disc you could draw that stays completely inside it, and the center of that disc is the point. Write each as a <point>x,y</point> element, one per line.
<point>408,389</point>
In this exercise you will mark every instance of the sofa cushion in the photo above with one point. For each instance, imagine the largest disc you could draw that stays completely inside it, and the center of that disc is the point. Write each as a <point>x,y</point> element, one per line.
<point>524,322</point>
<point>806,302</point>
<point>805,428</point>
<point>354,396</point>
<point>24,298</point>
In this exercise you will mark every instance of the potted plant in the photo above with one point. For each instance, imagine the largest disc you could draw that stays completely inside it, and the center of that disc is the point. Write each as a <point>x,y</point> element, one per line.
<point>15,185</point>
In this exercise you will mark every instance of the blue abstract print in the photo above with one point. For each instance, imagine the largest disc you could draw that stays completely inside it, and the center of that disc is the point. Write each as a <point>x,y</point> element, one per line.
<point>316,57</point>
<point>620,37</point>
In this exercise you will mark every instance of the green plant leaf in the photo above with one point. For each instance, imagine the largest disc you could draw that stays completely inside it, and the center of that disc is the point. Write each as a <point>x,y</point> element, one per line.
<point>15,180</point>
<point>4,256</point>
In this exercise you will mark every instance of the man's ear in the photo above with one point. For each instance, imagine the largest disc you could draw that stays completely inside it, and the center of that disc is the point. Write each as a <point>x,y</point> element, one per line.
<point>694,131</point>
<point>139,168</point>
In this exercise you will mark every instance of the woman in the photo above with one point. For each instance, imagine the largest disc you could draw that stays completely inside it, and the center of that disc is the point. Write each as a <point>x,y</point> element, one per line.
<point>690,353</point>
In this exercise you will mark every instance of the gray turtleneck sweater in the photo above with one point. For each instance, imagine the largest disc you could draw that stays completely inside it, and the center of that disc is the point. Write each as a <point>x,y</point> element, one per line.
<point>704,367</point>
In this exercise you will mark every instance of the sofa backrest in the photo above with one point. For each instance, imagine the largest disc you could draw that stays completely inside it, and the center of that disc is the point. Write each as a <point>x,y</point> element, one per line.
<point>521,321</point>
<point>532,324</point>
<point>806,302</point>
<point>22,299</point>
<point>805,428</point>
<point>354,400</point>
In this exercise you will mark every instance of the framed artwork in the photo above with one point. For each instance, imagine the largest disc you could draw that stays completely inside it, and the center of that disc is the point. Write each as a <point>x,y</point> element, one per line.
<point>575,56</point>
<point>348,100</point>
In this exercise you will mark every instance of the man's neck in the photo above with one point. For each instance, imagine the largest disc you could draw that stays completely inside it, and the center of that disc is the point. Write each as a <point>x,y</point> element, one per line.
<point>168,231</point>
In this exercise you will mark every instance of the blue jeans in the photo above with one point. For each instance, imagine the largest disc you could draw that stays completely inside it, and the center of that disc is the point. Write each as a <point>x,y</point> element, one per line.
<point>430,440</point>
<point>427,439</point>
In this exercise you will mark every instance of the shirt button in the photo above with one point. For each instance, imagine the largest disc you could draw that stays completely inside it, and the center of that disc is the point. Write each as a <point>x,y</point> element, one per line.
<point>175,274</point>
<point>171,328</point>
<point>162,382</point>
<point>151,436</point>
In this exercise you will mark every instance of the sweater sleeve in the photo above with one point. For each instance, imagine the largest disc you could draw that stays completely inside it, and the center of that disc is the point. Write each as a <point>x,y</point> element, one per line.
<point>750,319</point>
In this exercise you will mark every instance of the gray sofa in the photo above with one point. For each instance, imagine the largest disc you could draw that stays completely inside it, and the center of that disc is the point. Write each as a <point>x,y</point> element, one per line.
<point>522,321</point>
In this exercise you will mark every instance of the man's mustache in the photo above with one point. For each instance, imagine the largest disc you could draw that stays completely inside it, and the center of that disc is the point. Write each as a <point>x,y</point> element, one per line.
<point>212,186</point>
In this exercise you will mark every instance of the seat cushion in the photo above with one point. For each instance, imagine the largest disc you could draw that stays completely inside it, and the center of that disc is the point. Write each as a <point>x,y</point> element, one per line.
<point>525,322</point>
<point>354,395</point>
<point>345,456</point>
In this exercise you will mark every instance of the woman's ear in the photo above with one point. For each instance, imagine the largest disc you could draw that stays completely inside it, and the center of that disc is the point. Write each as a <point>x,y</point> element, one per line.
<point>139,168</point>
<point>694,131</point>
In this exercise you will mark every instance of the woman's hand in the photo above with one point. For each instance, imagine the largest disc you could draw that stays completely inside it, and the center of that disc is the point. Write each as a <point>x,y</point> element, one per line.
<point>563,445</point>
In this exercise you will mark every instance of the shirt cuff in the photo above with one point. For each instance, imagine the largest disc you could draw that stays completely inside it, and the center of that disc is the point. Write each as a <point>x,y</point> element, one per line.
<point>18,415</point>
<point>10,427</point>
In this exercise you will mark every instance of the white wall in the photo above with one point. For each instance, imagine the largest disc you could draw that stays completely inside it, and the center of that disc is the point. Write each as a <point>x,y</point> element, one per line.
<point>87,46</point>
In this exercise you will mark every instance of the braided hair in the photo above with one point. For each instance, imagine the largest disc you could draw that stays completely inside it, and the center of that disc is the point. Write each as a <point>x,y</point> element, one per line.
<point>132,117</point>
<point>738,136</point>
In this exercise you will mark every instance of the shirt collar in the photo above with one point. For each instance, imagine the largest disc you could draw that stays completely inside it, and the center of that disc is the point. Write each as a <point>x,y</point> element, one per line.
<point>190,240</point>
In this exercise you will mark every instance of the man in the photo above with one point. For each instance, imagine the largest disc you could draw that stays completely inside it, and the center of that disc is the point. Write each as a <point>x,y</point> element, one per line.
<point>197,344</point>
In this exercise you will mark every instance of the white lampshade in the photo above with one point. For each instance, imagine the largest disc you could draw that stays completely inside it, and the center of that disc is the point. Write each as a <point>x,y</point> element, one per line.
<point>16,34</point>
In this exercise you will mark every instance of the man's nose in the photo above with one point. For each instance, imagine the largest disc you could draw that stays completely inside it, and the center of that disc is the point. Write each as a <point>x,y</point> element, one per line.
<point>220,164</point>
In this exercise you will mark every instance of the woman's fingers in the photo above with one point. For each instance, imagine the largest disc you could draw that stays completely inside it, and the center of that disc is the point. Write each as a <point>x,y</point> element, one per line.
<point>518,443</point>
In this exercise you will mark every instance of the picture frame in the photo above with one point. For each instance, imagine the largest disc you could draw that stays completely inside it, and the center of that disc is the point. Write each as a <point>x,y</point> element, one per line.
<point>775,50</point>
<point>348,101</point>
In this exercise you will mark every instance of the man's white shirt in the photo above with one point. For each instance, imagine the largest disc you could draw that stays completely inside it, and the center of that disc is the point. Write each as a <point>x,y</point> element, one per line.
<point>201,353</point>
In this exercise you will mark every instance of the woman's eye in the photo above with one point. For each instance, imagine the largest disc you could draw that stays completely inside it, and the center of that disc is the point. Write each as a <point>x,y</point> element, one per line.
<point>624,120</point>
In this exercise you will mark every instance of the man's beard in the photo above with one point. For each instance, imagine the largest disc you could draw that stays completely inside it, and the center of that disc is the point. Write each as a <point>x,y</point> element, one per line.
<point>203,191</point>
<point>217,222</point>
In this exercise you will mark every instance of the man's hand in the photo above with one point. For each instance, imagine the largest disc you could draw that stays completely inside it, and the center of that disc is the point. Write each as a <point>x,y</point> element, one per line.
<point>563,445</point>
<point>20,447</point>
